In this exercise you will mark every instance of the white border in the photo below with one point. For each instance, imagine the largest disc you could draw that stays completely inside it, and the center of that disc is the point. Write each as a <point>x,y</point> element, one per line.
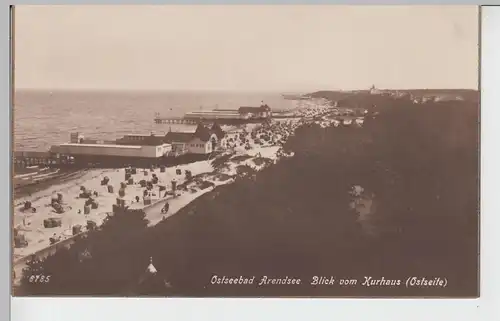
<point>490,160</point>
<point>42,309</point>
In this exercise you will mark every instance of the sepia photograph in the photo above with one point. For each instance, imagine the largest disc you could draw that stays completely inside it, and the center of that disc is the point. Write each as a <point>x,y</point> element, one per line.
<point>291,151</point>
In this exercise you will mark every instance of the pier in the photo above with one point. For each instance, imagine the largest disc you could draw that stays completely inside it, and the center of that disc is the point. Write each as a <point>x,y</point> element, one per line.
<point>22,159</point>
<point>220,121</point>
<point>175,120</point>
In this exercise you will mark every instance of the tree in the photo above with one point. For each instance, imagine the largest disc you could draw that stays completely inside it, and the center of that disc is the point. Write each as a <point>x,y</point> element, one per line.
<point>81,268</point>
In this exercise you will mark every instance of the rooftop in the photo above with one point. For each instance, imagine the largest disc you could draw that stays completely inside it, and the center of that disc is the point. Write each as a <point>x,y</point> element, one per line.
<point>249,109</point>
<point>226,111</point>
<point>179,137</point>
<point>201,132</point>
<point>145,140</point>
<point>30,154</point>
<point>102,146</point>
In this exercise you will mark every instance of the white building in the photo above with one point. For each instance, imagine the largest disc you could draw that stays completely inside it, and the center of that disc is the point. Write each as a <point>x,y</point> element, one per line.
<point>131,146</point>
<point>112,150</point>
<point>202,141</point>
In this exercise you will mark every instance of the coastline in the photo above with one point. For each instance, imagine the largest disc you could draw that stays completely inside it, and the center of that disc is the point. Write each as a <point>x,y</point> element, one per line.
<point>239,157</point>
<point>246,216</point>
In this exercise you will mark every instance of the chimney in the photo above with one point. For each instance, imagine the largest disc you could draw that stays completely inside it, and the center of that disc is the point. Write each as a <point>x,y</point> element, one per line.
<point>73,137</point>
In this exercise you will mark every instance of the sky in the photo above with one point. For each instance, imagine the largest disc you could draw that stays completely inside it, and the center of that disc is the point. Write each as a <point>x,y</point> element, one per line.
<point>245,48</point>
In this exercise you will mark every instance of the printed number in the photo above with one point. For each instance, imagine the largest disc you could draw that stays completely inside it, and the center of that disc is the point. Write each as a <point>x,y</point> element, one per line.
<point>39,278</point>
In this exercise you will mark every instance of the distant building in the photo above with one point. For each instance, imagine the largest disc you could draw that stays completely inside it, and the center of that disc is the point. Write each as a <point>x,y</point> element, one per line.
<point>444,98</point>
<point>263,111</point>
<point>375,91</point>
<point>241,114</point>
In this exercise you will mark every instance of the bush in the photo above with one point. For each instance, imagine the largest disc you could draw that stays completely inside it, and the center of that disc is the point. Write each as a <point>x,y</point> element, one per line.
<point>259,161</point>
<point>240,158</point>
<point>70,274</point>
<point>244,170</point>
<point>221,161</point>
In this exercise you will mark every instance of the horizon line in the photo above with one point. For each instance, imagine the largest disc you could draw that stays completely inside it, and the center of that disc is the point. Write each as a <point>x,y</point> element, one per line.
<point>226,90</point>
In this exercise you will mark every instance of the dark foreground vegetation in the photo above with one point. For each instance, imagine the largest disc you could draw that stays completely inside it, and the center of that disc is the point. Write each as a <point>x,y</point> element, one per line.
<point>293,219</point>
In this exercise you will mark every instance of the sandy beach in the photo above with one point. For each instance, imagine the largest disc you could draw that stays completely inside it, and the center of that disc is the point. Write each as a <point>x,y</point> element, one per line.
<point>252,146</point>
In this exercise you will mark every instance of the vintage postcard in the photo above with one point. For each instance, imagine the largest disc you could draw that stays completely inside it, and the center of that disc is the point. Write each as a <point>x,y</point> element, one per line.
<point>245,151</point>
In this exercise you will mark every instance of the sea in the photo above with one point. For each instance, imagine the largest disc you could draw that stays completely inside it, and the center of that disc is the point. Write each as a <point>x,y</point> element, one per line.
<point>45,118</point>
